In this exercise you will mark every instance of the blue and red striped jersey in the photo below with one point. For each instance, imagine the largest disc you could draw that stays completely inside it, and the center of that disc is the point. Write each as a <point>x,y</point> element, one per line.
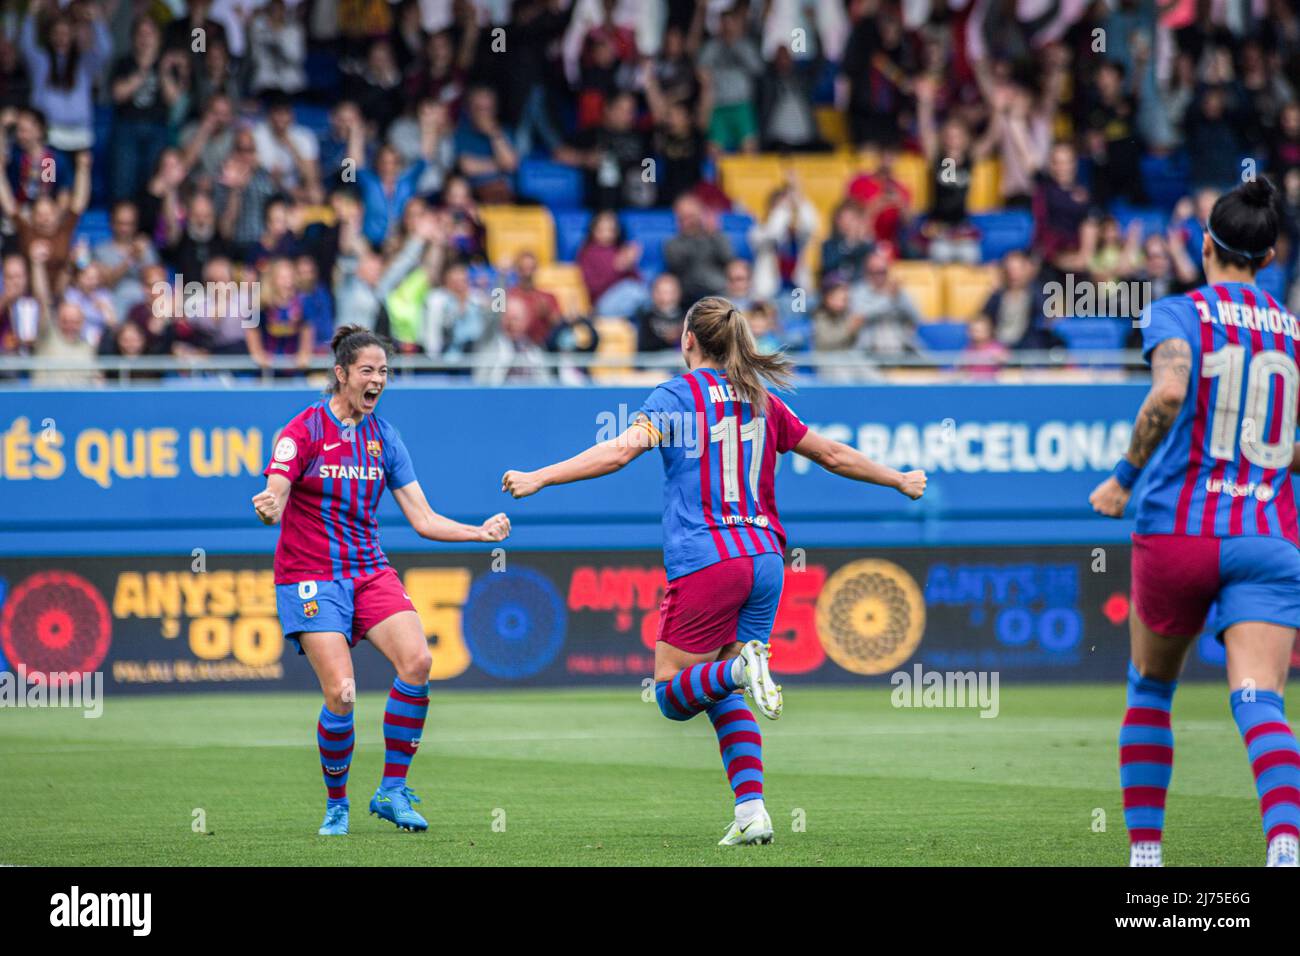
<point>719,464</point>
<point>1223,469</point>
<point>329,531</point>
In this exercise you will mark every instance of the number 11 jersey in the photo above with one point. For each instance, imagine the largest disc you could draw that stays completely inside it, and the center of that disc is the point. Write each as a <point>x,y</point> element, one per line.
<point>1223,469</point>
<point>719,458</point>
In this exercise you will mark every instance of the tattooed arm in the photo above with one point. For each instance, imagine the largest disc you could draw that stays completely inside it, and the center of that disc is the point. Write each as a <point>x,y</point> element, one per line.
<point>1171,369</point>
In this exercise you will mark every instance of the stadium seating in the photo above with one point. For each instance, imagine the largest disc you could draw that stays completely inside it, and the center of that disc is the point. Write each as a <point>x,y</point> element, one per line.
<point>564,281</point>
<point>913,172</point>
<point>617,337</point>
<point>552,184</point>
<point>315,118</point>
<point>1154,221</point>
<point>1092,334</point>
<point>985,186</point>
<point>750,180</point>
<point>944,336</point>
<point>735,226</point>
<point>93,226</point>
<point>824,179</point>
<point>652,228</point>
<point>515,229</point>
<point>570,232</point>
<point>1166,179</point>
<point>966,289</point>
<point>923,283</point>
<point>832,125</point>
<point>1001,232</point>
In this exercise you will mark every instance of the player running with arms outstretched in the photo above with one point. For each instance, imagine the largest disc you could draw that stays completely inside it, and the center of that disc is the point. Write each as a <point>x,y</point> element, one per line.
<point>333,584</point>
<point>719,433</point>
<point>1216,520</point>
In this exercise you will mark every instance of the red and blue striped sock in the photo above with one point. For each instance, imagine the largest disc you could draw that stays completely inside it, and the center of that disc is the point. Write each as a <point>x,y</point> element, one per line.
<point>335,738</point>
<point>1146,755</point>
<point>408,704</point>
<point>695,689</point>
<point>1274,759</point>
<point>741,746</point>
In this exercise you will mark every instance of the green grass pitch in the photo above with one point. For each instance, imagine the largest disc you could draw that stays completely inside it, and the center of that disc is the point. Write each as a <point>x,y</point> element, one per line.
<point>599,777</point>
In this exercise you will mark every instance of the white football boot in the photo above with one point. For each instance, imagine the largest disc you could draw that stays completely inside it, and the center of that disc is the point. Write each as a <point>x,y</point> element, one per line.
<point>752,825</point>
<point>1146,853</point>
<point>757,679</point>
<point>1283,850</point>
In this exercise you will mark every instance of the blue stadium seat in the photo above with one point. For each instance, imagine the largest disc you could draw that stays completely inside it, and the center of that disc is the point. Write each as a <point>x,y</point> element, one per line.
<point>1154,221</point>
<point>93,226</point>
<point>556,185</point>
<point>736,226</point>
<point>823,82</point>
<point>652,228</point>
<point>943,336</point>
<point>570,230</point>
<point>315,118</point>
<point>101,154</point>
<point>1166,179</point>
<point>1273,281</point>
<point>323,74</point>
<point>1092,334</point>
<point>483,277</point>
<point>1001,232</point>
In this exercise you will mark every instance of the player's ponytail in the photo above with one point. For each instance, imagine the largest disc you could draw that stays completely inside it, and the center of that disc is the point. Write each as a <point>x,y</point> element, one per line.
<point>347,343</point>
<point>1244,225</point>
<point>725,336</point>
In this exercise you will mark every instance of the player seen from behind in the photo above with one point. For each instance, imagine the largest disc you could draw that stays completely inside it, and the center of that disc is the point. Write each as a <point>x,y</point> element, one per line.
<point>1216,520</point>
<point>719,433</point>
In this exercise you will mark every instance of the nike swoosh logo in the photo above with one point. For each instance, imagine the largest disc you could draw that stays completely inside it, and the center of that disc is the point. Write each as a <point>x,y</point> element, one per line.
<point>328,446</point>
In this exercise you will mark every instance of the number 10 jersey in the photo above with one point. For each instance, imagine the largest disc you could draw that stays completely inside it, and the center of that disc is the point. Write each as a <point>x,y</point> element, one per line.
<point>1224,468</point>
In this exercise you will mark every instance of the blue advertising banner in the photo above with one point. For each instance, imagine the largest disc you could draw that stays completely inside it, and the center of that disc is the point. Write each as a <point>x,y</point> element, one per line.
<point>555,618</point>
<point>167,470</point>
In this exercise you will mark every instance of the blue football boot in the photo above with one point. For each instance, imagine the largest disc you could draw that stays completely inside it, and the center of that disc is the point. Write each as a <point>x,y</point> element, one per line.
<point>395,807</point>
<point>336,821</point>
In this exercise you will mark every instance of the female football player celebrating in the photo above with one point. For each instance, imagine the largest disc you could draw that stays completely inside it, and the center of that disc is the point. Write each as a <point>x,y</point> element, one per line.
<point>719,433</point>
<point>333,584</point>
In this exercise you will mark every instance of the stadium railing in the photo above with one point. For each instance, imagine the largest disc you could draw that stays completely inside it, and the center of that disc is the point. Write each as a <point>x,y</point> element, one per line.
<point>839,367</point>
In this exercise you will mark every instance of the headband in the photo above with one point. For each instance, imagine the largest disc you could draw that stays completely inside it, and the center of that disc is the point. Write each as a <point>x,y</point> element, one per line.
<point>1236,252</point>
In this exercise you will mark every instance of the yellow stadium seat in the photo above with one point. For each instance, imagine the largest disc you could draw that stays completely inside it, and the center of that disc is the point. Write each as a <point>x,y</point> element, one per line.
<point>923,283</point>
<point>749,181</point>
<point>832,126</point>
<point>966,289</point>
<point>913,171</point>
<point>985,186</point>
<point>312,215</point>
<point>865,160</point>
<point>824,179</point>
<point>564,281</point>
<point>617,339</point>
<point>515,229</point>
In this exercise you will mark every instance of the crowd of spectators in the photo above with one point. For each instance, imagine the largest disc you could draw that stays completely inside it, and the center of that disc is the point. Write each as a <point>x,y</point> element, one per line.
<point>183,123</point>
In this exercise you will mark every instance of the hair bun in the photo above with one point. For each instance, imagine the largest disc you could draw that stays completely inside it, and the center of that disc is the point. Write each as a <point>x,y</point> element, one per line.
<point>341,333</point>
<point>1259,193</point>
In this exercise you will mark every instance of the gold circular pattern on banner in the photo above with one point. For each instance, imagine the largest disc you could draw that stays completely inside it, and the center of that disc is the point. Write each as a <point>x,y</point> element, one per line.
<point>870,616</point>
